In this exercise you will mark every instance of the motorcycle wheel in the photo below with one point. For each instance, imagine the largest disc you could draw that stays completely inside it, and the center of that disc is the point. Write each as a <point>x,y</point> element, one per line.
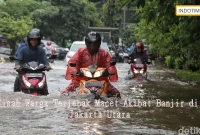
<point>45,91</point>
<point>17,84</point>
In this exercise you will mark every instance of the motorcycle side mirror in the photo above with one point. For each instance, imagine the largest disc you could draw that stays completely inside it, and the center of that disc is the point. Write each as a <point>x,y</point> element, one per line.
<point>112,63</point>
<point>12,58</point>
<point>72,64</point>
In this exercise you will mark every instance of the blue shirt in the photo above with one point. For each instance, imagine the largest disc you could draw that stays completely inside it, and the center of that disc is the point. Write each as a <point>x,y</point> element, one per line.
<point>20,47</point>
<point>131,49</point>
<point>28,54</point>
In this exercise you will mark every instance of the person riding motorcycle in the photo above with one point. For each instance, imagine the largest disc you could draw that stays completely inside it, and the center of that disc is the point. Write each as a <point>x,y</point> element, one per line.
<point>23,44</point>
<point>91,54</point>
<point>139,52</point>
<point>32,52</point>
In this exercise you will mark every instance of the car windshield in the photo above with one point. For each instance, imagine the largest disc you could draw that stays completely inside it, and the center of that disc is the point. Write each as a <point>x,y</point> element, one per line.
<point>76,46</point>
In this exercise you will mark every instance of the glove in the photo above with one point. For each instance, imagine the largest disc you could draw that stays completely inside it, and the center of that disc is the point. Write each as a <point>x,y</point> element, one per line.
<point>129,61</point>
<point>79,73</point>
<point>107,73</point>
<point>18,67</point>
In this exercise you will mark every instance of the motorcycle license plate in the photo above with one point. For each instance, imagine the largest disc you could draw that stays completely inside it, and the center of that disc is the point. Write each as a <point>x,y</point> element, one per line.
<point>94,84</point>
<point>139,65</point>
<point>34,74</point>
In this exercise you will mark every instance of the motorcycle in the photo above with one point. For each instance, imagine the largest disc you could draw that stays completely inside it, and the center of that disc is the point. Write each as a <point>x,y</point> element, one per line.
<point>93,80</point>
<point>31,79</point>
<point>139,68</point>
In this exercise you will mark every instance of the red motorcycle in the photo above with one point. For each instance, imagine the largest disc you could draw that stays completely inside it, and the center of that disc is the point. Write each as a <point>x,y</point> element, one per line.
<point>139,68</point>
<point>31,79</point>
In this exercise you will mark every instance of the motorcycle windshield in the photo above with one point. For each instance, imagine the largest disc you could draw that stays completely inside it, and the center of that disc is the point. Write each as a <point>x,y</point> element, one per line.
<point>33,65</point>
<point>138,61</point>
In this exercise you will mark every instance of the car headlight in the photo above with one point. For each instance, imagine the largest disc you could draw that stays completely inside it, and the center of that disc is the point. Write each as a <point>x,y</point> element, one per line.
<point>87,73</point>
<point>98,73</point>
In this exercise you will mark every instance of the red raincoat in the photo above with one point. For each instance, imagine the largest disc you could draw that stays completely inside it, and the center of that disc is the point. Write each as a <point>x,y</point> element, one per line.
<point>83,59</point>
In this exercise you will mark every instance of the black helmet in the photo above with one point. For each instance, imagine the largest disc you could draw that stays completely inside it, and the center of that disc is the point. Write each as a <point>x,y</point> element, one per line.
<point>93,37</point>
<point>34,34</point>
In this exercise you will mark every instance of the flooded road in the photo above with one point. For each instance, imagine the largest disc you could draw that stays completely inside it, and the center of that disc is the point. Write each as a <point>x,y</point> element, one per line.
<point>160,105</point>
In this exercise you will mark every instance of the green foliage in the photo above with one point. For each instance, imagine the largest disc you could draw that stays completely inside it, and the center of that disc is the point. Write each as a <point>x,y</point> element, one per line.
<point>169,61</point>
<point>92,14</point>
<point>112,13</point>
<point>15,29</point>
<point>168,34</point>
<point>179,63</point>
<point>192,65</point>
<point>58,19</point>
<point>17,8</point>
<point>185,74</point>
<point>129,35</point>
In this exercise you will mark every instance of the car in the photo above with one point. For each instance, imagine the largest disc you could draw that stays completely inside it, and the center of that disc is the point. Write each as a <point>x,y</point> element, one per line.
<point>58,50</point>
<point>81,44</point>
<point>4,46</point>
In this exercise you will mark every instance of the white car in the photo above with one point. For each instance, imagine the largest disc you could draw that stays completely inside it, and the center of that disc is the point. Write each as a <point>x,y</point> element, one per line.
<point>81,44</point>
<point>5,50</point>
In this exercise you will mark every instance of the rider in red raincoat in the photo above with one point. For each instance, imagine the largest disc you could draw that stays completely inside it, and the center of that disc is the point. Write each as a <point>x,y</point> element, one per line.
<point>91,54</point>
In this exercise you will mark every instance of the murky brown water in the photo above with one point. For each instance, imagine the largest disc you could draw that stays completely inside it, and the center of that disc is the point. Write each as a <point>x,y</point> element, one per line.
<point>144,116</point>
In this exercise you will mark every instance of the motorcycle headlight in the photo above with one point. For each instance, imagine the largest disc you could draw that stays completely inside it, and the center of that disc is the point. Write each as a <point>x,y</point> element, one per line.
<point>136,71</point>
<point>87,73</point>
<point>98,73</point>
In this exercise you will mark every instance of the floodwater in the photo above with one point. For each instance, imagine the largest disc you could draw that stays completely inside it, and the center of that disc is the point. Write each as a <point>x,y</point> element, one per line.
<point>160,105</point>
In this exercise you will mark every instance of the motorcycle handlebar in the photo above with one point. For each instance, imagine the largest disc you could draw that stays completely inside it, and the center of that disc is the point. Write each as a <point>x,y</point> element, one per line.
<point>39,69</point>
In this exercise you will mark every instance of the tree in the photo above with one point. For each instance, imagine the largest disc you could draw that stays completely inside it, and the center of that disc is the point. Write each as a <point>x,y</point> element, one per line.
<point>70,21</point>
<point>58,19</point>
<point>169,34</point>
<point>15,29</point>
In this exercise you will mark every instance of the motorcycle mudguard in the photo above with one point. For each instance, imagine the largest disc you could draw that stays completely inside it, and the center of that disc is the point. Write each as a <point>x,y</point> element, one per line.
<point>84,91</point>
